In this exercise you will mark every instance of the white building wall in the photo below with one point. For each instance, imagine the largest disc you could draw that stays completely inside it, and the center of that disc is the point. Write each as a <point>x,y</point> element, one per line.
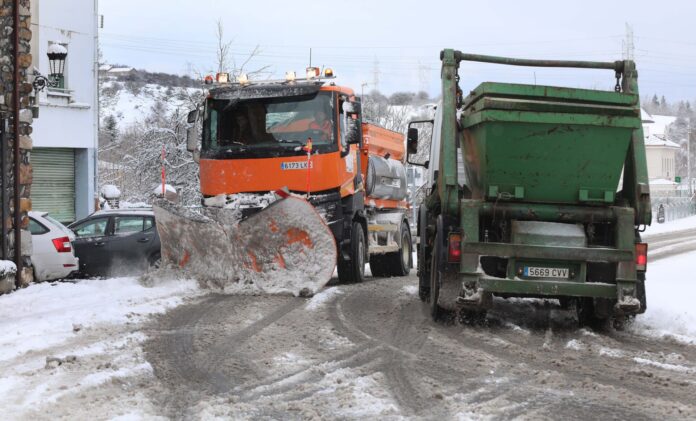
<point>661,162</point>
<point>69,119</point>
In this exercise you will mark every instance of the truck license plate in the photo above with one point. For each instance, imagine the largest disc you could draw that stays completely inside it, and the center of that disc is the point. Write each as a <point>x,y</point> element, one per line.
<point>537,272</point>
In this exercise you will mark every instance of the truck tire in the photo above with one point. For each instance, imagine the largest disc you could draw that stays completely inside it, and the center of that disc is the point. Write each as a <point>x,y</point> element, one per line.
<point>423,258</point>
<point>640,292</point>
<point>353,270</point>
<point>436,312</point>
<point>587,317</point>
<point>401,260</point>
<point>397,263</point>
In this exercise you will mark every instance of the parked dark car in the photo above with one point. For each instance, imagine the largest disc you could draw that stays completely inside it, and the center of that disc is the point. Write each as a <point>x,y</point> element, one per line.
<point>117,242</point>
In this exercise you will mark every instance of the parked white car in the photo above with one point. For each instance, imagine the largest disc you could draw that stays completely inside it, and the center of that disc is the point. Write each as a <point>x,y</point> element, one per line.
<point>52,252</point>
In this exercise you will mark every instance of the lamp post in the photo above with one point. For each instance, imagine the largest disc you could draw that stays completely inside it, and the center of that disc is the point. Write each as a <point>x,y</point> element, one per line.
<point>56,63</point>
<point>57,54</point>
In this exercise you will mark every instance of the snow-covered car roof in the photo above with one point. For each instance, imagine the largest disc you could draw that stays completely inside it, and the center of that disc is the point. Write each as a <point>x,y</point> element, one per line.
<point>128,211</point>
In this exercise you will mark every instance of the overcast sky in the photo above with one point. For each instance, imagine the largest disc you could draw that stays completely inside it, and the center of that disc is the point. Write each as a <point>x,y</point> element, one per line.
<point>394,45</point>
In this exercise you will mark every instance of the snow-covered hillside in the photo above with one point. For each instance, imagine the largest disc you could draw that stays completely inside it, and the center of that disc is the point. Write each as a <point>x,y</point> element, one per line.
<point>129,104</point>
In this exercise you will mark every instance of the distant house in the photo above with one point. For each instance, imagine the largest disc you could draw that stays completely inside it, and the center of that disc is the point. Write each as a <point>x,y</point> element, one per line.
<point>660,153</point>
<point>121,71</point>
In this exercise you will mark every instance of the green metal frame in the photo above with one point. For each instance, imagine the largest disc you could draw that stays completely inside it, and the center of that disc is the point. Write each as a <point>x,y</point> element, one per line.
<point>469,211</point>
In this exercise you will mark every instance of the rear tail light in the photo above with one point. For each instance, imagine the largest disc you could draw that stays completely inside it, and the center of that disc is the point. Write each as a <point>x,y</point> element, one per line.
<point>62,244</point>
<point>641,256</point>
<point>454,248</point>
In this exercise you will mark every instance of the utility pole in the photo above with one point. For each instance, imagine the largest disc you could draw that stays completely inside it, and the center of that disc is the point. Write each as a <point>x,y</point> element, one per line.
<point>688,158</point>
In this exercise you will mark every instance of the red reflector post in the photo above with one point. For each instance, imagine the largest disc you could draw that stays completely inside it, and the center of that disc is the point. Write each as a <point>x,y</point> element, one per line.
<point>454,248</point>
<point>62,245</point>
<point>641,256</point>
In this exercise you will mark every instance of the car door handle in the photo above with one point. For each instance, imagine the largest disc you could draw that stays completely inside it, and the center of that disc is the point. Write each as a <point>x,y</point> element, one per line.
<point>144,240</point>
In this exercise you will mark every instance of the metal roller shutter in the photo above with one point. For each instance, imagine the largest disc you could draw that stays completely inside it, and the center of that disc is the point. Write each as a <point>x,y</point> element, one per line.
<point>53,188</point>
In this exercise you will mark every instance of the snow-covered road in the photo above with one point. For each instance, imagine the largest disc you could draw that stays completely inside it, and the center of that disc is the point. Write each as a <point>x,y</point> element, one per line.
<point>103,349</point>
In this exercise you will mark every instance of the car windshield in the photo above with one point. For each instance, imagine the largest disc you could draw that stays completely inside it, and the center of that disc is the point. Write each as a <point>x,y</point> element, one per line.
<point>270,123</point>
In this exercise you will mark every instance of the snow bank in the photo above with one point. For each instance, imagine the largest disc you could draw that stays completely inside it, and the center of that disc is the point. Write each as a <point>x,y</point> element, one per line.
<point>687,223</point>
<point>44,315</point>
<point>670,289</point>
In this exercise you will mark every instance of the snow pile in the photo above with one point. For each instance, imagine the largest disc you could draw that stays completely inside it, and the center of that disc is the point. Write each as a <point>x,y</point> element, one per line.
<point>110,191</point>
<point>63,342</point>
<point>320,299</point>
<point>670,290</point>
<point>44,315</point>
<point>167,188</point>
<point>7,267</point>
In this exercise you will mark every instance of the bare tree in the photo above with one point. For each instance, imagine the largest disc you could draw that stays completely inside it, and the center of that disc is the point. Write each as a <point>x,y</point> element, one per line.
<point>226,60</point>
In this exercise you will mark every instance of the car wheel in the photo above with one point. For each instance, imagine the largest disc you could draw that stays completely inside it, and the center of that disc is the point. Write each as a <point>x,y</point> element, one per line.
<point>155,262</point>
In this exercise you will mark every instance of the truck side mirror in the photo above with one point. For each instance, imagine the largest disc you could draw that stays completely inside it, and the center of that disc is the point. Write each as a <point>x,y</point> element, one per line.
<point>418,150</point>
<point>353,128</point>
<point>192,116</point>
<point>351,111</point>
<point>412,140</point>
<point>191,133</point>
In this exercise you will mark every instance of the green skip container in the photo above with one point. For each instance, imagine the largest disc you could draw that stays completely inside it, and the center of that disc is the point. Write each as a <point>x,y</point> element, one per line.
<point>547,144</point>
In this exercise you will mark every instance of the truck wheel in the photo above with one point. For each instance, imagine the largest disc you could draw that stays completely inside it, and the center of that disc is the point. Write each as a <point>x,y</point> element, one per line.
<point>379,265</point>
<point>436,312</point>
<point>423,273</point>
<point>587,317</point>
<point>401,260</point>
<point>353,270</point>
<point>397,263</point>
<point>640,292</point>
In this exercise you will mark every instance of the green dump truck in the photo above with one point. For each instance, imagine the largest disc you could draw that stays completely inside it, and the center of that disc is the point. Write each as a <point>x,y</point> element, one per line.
<point>533,191</point>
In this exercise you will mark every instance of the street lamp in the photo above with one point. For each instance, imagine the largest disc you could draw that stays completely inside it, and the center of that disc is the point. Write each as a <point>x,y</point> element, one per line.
<point>56,63</point>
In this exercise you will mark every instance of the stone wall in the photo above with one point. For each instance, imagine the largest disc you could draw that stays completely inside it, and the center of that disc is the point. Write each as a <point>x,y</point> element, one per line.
<point>7,30</point>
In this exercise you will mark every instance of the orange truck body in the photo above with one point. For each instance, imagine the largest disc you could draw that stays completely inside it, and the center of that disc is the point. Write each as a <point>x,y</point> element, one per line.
<point>336,177</point>
<point>328,171</point>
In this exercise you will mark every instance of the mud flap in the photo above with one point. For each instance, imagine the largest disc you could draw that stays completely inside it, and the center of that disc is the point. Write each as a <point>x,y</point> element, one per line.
<point>285,248</point>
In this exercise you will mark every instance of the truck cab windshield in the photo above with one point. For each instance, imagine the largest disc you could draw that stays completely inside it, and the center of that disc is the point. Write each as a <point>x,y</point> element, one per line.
<point>269,123</point>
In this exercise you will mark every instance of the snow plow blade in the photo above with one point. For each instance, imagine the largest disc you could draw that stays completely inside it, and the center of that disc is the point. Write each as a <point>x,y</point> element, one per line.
<point>285,248</point>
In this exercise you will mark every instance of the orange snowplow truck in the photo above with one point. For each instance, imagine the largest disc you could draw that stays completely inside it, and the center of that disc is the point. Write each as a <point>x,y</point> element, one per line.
<point>307,136</point>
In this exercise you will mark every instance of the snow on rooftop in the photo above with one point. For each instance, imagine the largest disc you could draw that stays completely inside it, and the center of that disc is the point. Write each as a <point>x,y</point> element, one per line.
<point>645,116</point>
<point>662,182</point>
<point>121,69</point>
<point>659,140</point>
<point>660,124</point>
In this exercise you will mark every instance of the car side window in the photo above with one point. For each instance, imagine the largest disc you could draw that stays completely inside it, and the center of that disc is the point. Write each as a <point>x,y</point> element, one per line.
<point>126,225</point>
<point>36,228</point>
<point>92,228</point>
<point>149,223</point>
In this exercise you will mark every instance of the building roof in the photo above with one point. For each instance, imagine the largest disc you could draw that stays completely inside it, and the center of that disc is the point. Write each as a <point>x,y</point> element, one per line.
<point>662,182</point>
<point>645,116</point>
<point>121,69</point>
<point>660,140</point>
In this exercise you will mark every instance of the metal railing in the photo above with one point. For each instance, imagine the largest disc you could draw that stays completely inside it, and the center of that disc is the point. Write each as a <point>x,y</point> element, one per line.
<point>672,208</point>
